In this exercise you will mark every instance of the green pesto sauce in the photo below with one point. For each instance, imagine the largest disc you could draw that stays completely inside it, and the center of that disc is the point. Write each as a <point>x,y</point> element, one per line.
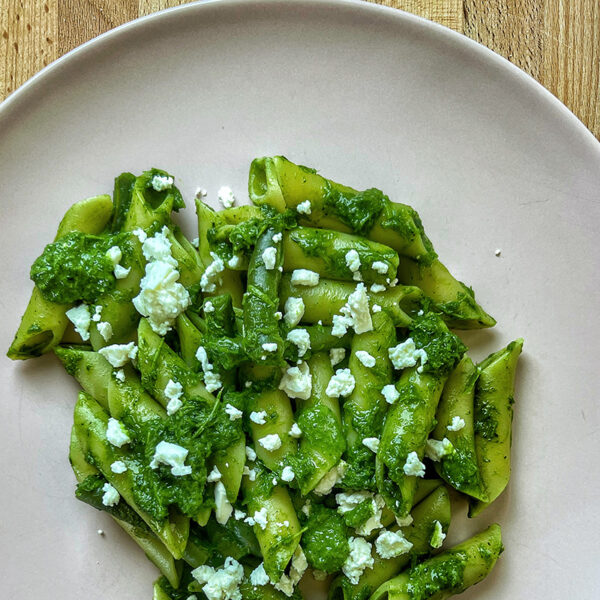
<point>322,430</point>
<point>428,579</point>
<point>325,540</point>
<point>444,349</point>
<point>359,514</point>
<point>154,198</point>
<point>235,538</point>
<point>359,211</point>
<point>76,267</point>
<point>460,467</point>
<point>486,420</point>
<point>360,473</point>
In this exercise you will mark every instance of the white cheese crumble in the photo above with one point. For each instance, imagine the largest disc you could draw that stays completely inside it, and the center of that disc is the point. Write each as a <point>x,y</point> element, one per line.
<point>297,381</point>
<point>337,355</point>
<point>390,544</point>
<point>270,442</point>
<point>294,311</point>
<point>438,536</point>
<point>235,262</point>
<point>358,560</point>
<point>226,196</point>
<point>295,431</point>
<point>250,454</point>
<point>114,254</point>
<point>111,496</point>
<point>158,248</point>
<point>221,584</point>
<point>436,449</point>
<point>406,354</point>
<point>355,313</point>
<point>238,515</point>
<point>97,316</point>
<point>118,467</point>
<point>365,358</point>
<point>121,272</point>
<point>278,315</point>
<point>251,474</point>
<point>116,433</point>
<point>223,508</point>
<point>269,347</point>
<point>390,393</point>
<point>352,260</point>
<point>118,354</point>
<point>209,307</point>
<point>161,183</point>
<point>380,267</point>
<point>404,521</point>
<point>201,193</point>
<point>269,257</point>
<point>259,577</point>
<point>140,234</point>
<point>304,208</point>
<point>173,392</point>
<point>372,443</point>
<point>413,466</point>
<point>214,475</point>
<point>331,479</point>
<point>301,339</point>
<point>287,474</point>
<point>212,380</point>
<point>105,330</point>
<point>260,518</point>
<point>233,412</point>
<point>258,417</point>
<point>457,424</point>
<point>376,288</point>
<point>81,319</point>
<point>375,308</point>
<point>306,508</point>
<point>349,501</point>
<point>210,277</point>
<point>173,456</point>
<point>298,566</point>
<point>120,375</point>
<point>341,384</point>
<point>304,277</point>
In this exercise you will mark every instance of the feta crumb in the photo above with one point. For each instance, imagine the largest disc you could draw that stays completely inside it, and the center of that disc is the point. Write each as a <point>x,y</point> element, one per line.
<point>348,501</point>
<point>233,412</point>
<point>287,474</point>
<point>295,431</point>
<point>438,536</point>
<point>260,518</point>
<point>331,479</point>
<point>436,450</point>
<point>118,467</point>
<point>301,339</point>
<point>376,288</point>
<point>294,311</point>
<point>340,325</point>
<point>196,242</point>
<point>365,358</point>
<point>161,183</point>
<point>250,454</point>
<point>372,443</point>
<point>304,208</point>
<point>120,375</point>
<point>404,521</point>
<point>420,313</point>
<point>100,532</point>
<point>277,237</point>
<point>214,475</point>
<point>274,480</point>
<point>173,392</point>
<point>210,277</point>
<point>380,267</point>
<point>278,315</point>
<point>357,276</point>
<point>270,347</point>
<point>118,354</point>
<point>116,433</point>
<point>352,260</point>
<point>269,257</point>
<point>209,307</point>
<point>304,277</point>
<point>140,234</point>
<point>375,308</point>
<point>390,393</point>
<point>212,380</point>
<point>297,382</point>
<point>171,455</point>
<point>110,497</point>
<point>298,566</point>
<point>259,577</point>
<point>341,384</point>
<point>226,197</point>
<point>238,515</point>
<point>251,473</point>
<point>105,330</point>
<point>221,584</point>
<point>355,313</point>
<point>406,354</point>
<point>390,544</point>
<point>306,508</point>
<point>235,262</point>
<point>173,406</point>
<point>201,193</point>
<point>121,272</point>
<point>258,417</point>
<point>158,248</point>
<point>413,466</point>
<point>457,424</point>
<point>223,508</point>
<point>270,442</point>
<point>358,560</point>
<point>114,254</point>
<point>81,319</point>
<point>97,316</point>
<point>248,384</point>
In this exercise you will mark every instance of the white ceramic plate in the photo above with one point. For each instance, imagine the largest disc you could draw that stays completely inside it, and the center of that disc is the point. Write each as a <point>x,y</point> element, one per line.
<point>372,97</point>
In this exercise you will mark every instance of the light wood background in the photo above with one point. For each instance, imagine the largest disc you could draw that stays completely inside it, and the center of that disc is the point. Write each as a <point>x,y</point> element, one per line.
<point>555,41</point>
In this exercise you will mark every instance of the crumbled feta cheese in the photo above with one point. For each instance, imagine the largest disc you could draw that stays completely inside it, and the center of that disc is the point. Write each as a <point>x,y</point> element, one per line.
<point>355,313</point>
<point>406,354</point>
<point>120,375</point>
<point>295,431</point>
<point>111,496</point>
<point>258,417</point>
<point>269,257</point>
<point>196,242</point>
<point>390,393</point>
<point>118,467</point>
<point>161,183</point>
<point>270,442</point>
<point>171,455</point>
<point>498,251</point>
<point>235,262</point>
<point>304,208</point>
<point>221,584</point>
<point>365,358</point>
<point>404,521</point>
<point>81,319</point>
<point>209,307</point>
<point>390,544</point>
<point>358,560</point>
<point>438,536</point>
<point>331,479</point>
<point>173,406</point>
<point>118,354</point>
<point>298,566</point>
<point>348,501</point>
<point>306,508</point>
<point>304,277</point>
<point>214,475</point>
<point>413,466</point>
<point>457,424</point>
<point>173,392</point>
<point>259,577</point>
<point>97,316</point>
<point>226,197</point>
<point>233,412</point>
<point>297,382</point>
<point>375,308</point>
<point>121,272</point>
<point>357,276</point>
<point>301,339</point>
<point>251,474</point>
<point>376,288</point>
<point>352,260</point>
<point>420,313</point>
<point>140,234</point>
<point>114,254</point>
<point>277,237</point>
<point>238,515</point>
<point>260,518</point>
<point>212,380</point>
<point>340,325</point>
<point>116,433</point>
<point>270,347</point>
<point>274,480</point>
<point>278,315</point>
<point>250,453</point>
<point>341,384</point>
<point>105,330</point>
<point>380,267</point>
<point>223,508</point>
<point>158,248</point>
<point>337,355</point>
<point>436,450</point>
<point>211,275</point>
<point>287,474</point>
<point>372,443</point>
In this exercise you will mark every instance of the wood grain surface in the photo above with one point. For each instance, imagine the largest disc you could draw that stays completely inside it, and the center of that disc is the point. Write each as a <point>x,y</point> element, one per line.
<point>555,41</point>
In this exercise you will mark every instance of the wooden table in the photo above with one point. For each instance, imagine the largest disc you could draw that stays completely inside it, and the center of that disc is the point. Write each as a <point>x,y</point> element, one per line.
<point>555,41</point>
